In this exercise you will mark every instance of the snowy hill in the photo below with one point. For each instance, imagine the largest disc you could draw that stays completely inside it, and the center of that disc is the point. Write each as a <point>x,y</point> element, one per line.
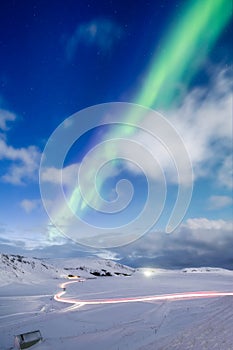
<point>26,270</point>
<point>91,266</point>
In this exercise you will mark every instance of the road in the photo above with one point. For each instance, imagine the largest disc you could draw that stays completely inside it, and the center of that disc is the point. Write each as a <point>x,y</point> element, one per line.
<point>159,297</point>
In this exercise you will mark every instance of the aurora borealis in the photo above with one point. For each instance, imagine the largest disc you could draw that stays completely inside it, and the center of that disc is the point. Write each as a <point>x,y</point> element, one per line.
<point>183,49</point>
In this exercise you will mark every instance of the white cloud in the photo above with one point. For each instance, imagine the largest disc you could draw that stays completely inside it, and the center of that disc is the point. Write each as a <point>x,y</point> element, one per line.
<point>30,238</point>
<point>21,163</point>
<point>218,202</point>
<point>24,163</point>
<point>204,120</point>
<point>67,176</point>
<point>30,205</point>
<point>206,224</point>
<point>99,32</point>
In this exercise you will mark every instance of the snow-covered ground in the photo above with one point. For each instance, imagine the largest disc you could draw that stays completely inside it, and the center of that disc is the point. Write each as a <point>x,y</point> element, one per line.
<point>27,303</point>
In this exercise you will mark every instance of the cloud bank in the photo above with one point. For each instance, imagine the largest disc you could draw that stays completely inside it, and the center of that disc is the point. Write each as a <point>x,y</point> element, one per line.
<point>197,242</point>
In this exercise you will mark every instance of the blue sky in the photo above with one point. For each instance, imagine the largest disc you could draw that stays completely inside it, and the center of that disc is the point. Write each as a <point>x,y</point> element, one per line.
<point>58,58</point>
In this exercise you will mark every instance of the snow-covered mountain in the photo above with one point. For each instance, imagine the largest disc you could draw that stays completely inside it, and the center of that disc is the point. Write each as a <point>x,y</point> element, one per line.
<point>24,269</point>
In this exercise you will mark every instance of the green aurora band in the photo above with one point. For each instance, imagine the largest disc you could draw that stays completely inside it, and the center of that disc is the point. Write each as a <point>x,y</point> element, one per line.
<point>187,43</point>
<point>183,50</point>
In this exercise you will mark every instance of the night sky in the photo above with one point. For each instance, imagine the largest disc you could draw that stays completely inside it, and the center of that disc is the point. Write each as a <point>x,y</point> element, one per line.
<point>175,57</point>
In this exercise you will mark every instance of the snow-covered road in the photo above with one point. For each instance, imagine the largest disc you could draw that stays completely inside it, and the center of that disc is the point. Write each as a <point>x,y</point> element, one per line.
<point>160,297</point>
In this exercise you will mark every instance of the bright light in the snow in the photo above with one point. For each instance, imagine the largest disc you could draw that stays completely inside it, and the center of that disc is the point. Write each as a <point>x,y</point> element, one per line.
<point>148,273</point>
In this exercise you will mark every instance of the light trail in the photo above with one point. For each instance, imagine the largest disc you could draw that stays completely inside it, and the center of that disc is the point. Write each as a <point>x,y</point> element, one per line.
<point>159,297</point>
